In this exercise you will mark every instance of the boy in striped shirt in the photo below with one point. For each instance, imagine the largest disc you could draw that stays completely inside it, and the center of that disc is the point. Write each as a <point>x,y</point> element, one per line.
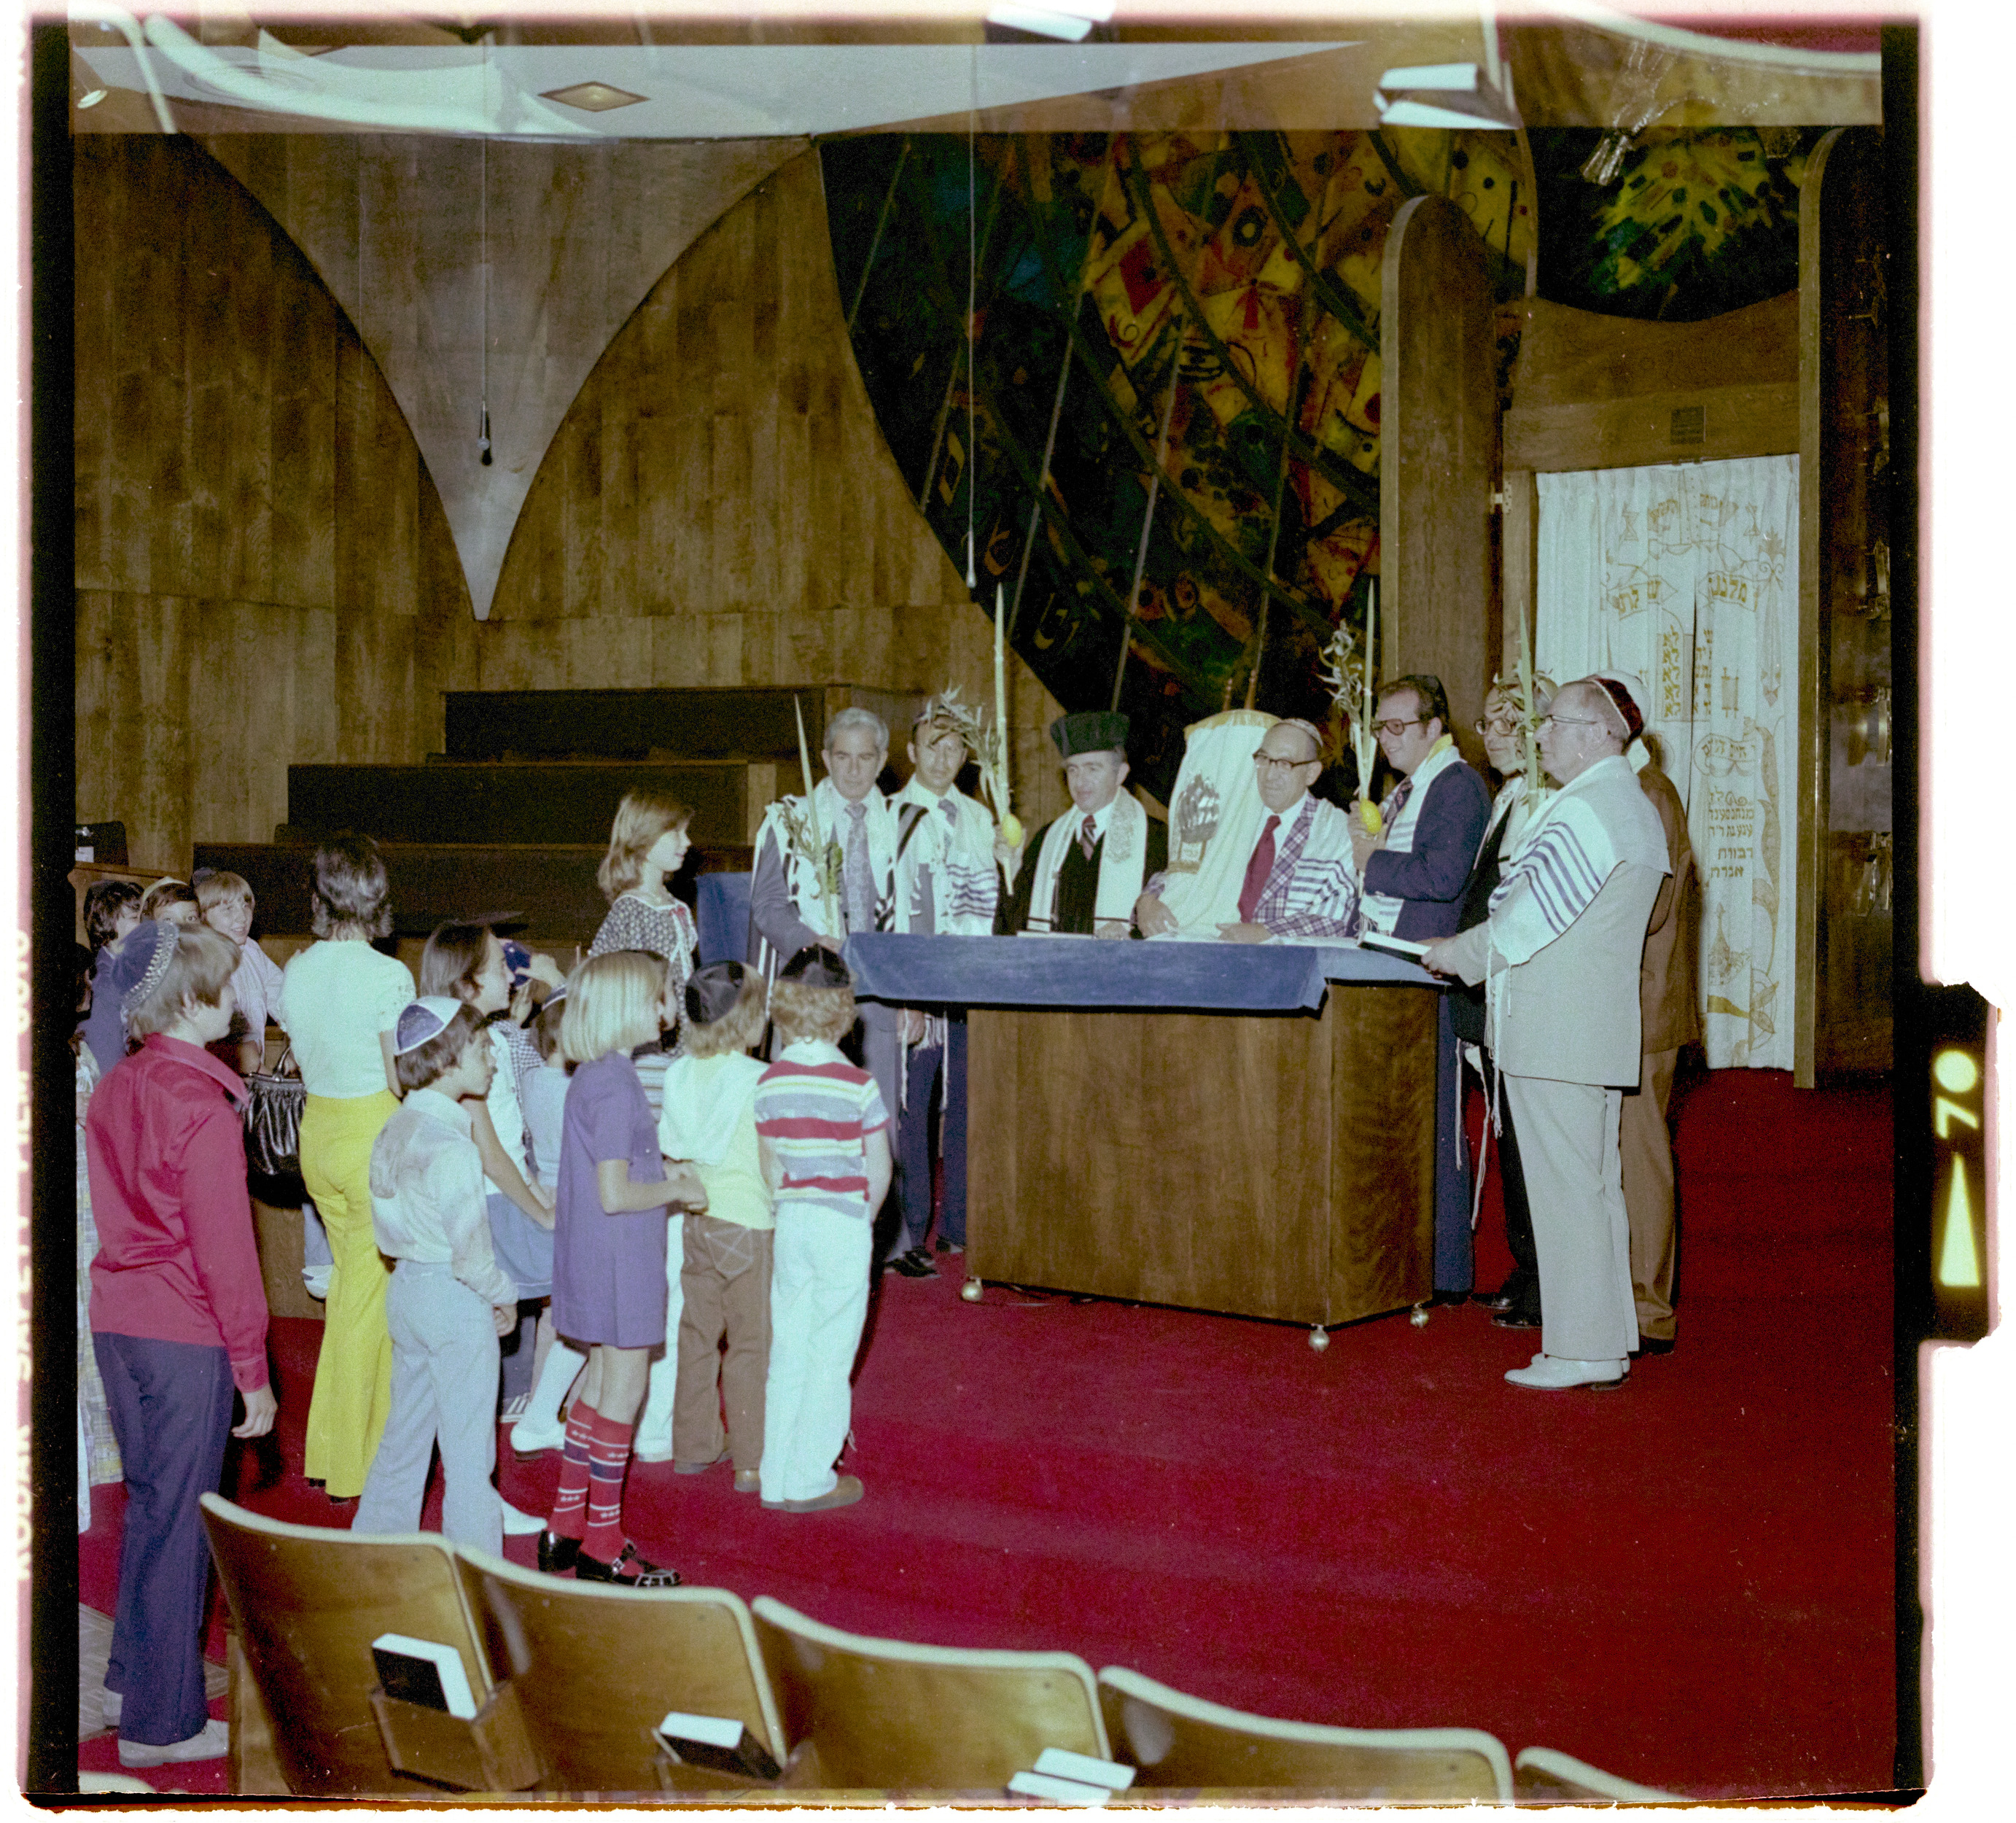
<point>824,1130</point>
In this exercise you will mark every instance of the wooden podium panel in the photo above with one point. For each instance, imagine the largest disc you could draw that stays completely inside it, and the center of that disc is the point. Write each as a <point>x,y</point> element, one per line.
<point>1276,1165</point>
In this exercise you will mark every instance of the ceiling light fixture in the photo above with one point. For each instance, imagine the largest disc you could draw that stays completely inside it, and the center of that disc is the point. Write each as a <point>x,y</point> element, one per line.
<point>593,98</point>
<point>1441,95</point>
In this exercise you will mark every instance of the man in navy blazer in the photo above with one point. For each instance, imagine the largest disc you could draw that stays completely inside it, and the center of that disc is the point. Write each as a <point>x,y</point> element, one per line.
<point>1413,873</point>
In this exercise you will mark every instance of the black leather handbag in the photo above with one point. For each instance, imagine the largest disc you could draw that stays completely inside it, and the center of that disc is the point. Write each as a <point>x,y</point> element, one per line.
<point>273,1119</point>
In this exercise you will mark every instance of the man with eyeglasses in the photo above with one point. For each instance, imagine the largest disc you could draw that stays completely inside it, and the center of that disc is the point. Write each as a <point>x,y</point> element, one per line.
<point>1412,875</point>
<point>1517,1302</point>
<point>1559,954</point>
<point>1301,883</point>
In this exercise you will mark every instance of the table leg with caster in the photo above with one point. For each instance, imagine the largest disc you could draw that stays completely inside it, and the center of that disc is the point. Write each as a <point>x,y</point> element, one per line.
<point>1319,1338</point>
<point>970,1291</point>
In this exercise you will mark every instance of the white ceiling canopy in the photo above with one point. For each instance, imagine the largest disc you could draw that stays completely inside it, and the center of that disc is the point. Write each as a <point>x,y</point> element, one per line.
<point>688,92</point>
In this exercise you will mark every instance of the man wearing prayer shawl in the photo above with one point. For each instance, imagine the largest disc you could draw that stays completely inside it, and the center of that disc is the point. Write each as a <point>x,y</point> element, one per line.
<point>1559,955</point>
<point>1081,874</point>
<point>1300,883</point>
<point>826,867</point>
<point>949,883</point>
<point>1412,875</point>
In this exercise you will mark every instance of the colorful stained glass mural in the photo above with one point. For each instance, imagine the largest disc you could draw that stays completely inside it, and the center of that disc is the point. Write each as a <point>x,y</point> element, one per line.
<point>1160,439</point>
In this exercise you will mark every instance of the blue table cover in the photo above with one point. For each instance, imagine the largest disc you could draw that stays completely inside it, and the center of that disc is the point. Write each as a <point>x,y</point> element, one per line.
<point>1090,972</point>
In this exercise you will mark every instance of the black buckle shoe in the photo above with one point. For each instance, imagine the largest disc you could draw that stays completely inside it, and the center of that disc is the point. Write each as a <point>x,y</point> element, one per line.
<point>556,1555</point>
<point>631,1570</point>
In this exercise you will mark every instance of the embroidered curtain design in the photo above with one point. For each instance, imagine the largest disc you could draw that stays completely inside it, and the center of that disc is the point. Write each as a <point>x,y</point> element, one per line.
<point>1689,577</point>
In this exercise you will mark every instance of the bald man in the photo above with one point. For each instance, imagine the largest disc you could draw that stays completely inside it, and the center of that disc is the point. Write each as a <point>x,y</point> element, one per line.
<point>1561,947</point>
<point>1301,883</point>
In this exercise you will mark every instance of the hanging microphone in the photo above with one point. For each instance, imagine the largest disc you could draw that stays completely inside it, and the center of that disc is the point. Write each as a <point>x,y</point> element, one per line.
<point>483,442</point>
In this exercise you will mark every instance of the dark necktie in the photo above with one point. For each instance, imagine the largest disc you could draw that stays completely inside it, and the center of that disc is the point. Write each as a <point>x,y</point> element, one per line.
<point>1087,838</point>
<point>1257,870</point>
<point>1397,801</point>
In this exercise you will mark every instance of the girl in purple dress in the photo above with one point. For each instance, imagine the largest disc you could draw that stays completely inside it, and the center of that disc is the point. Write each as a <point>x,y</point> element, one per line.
<point>615,1195</point>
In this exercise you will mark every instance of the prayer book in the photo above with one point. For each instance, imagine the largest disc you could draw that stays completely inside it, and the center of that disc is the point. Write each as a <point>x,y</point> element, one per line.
<point>425,1672</point>
<point>1058,1790</point>
<point>720,1742</point>
<point>1405,946</point>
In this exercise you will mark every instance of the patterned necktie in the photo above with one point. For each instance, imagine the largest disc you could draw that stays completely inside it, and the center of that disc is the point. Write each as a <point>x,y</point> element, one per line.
<point>1087,838</point>
<point>1397,801</point>
<point>854,871</point>
<point>1257,870</point>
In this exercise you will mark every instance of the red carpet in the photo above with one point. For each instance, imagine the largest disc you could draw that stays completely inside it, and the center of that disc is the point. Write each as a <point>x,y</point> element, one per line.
<point>1688,1582</point>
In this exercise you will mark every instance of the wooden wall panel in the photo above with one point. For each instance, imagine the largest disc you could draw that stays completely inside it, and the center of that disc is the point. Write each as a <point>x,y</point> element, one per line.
<point>719,507</point>
<point>253,525</point>
<point>265,570</point>
<point>1438,452</point>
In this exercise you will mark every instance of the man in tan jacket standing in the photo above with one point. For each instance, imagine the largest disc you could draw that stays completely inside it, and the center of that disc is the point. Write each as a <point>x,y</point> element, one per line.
<point>1669,1010</point>
<point>1559,954</point>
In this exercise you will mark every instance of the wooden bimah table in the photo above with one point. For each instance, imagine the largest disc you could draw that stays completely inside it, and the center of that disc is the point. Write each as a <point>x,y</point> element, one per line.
<point>1225,1127</point>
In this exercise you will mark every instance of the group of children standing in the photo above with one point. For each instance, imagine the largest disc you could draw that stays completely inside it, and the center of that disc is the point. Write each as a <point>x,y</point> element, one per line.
<point>629,1156</point>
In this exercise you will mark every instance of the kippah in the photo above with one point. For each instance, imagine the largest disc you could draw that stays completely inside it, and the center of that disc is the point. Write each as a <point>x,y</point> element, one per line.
<point>141,960</point>
<point>1309,729</point>
<point>714,992</point>
<point>1634,723</point>
<point>422,1020</point>
<point>816,967</point>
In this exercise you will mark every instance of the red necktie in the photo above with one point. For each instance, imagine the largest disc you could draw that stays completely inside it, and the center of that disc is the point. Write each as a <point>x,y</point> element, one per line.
<point>1257,870</point>
<point>1088,839</point>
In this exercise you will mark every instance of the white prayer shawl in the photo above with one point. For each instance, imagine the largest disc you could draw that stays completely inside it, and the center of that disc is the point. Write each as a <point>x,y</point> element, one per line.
<point>1122,863</point>
<point>826,915</point>
<point>1584,832</point>
<point>1513,808</point>
<point>1324,883</point>
<point>957,858</point>
<point>705,1098</point>
<point>1381,911</point>
<point>1215,819</point>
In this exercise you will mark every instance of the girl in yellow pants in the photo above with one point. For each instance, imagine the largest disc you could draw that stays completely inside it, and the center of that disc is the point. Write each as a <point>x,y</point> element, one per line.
<point>339,1000</point>
<point>353,1379</point>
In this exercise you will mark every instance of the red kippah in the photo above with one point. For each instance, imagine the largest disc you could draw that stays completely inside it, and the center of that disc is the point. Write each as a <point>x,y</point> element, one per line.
<point>1634,723</point>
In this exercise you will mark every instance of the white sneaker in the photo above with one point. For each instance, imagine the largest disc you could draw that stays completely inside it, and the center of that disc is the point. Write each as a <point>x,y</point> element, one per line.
<point>1556,1374</point>
<point>517,1525</point>
<point>213,1743</point>
<point>529,1436</point>
<point>654,1451</point>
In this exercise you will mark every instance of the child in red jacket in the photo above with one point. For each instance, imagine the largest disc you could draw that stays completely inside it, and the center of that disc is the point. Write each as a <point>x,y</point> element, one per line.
<point>177,1319</point>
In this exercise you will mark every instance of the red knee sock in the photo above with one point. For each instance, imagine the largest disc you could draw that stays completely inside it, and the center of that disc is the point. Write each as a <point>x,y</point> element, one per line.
<point>609,1457</point>
<point>569,1515</point>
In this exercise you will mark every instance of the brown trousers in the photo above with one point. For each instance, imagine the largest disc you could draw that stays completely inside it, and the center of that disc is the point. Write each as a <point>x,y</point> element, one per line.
<point>726,1280</point>
<point>1646,1143</point>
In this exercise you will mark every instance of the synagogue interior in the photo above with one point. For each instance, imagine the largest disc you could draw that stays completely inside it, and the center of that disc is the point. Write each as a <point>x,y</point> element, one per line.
<point>1328,502</point>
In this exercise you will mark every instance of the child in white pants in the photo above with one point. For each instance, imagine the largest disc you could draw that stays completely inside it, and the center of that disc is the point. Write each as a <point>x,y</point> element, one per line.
<point>447,1302</point>
<point>825,1133</point>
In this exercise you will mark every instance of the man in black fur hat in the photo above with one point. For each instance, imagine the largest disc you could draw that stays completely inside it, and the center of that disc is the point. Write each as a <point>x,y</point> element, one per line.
<point>1081,874</point>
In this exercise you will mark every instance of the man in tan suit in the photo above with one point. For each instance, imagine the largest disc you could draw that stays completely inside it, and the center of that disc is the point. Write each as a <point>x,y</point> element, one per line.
<point>1669,1011</point>
<point>1559,954</point>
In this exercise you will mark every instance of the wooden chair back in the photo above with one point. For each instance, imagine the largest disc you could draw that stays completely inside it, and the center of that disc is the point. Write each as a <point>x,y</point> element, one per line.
<point>597,1667</point>
<point>1176,1740</point>
<point>1544,1776</point>
<point>308,1602</point>
<point>884,1714</point>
